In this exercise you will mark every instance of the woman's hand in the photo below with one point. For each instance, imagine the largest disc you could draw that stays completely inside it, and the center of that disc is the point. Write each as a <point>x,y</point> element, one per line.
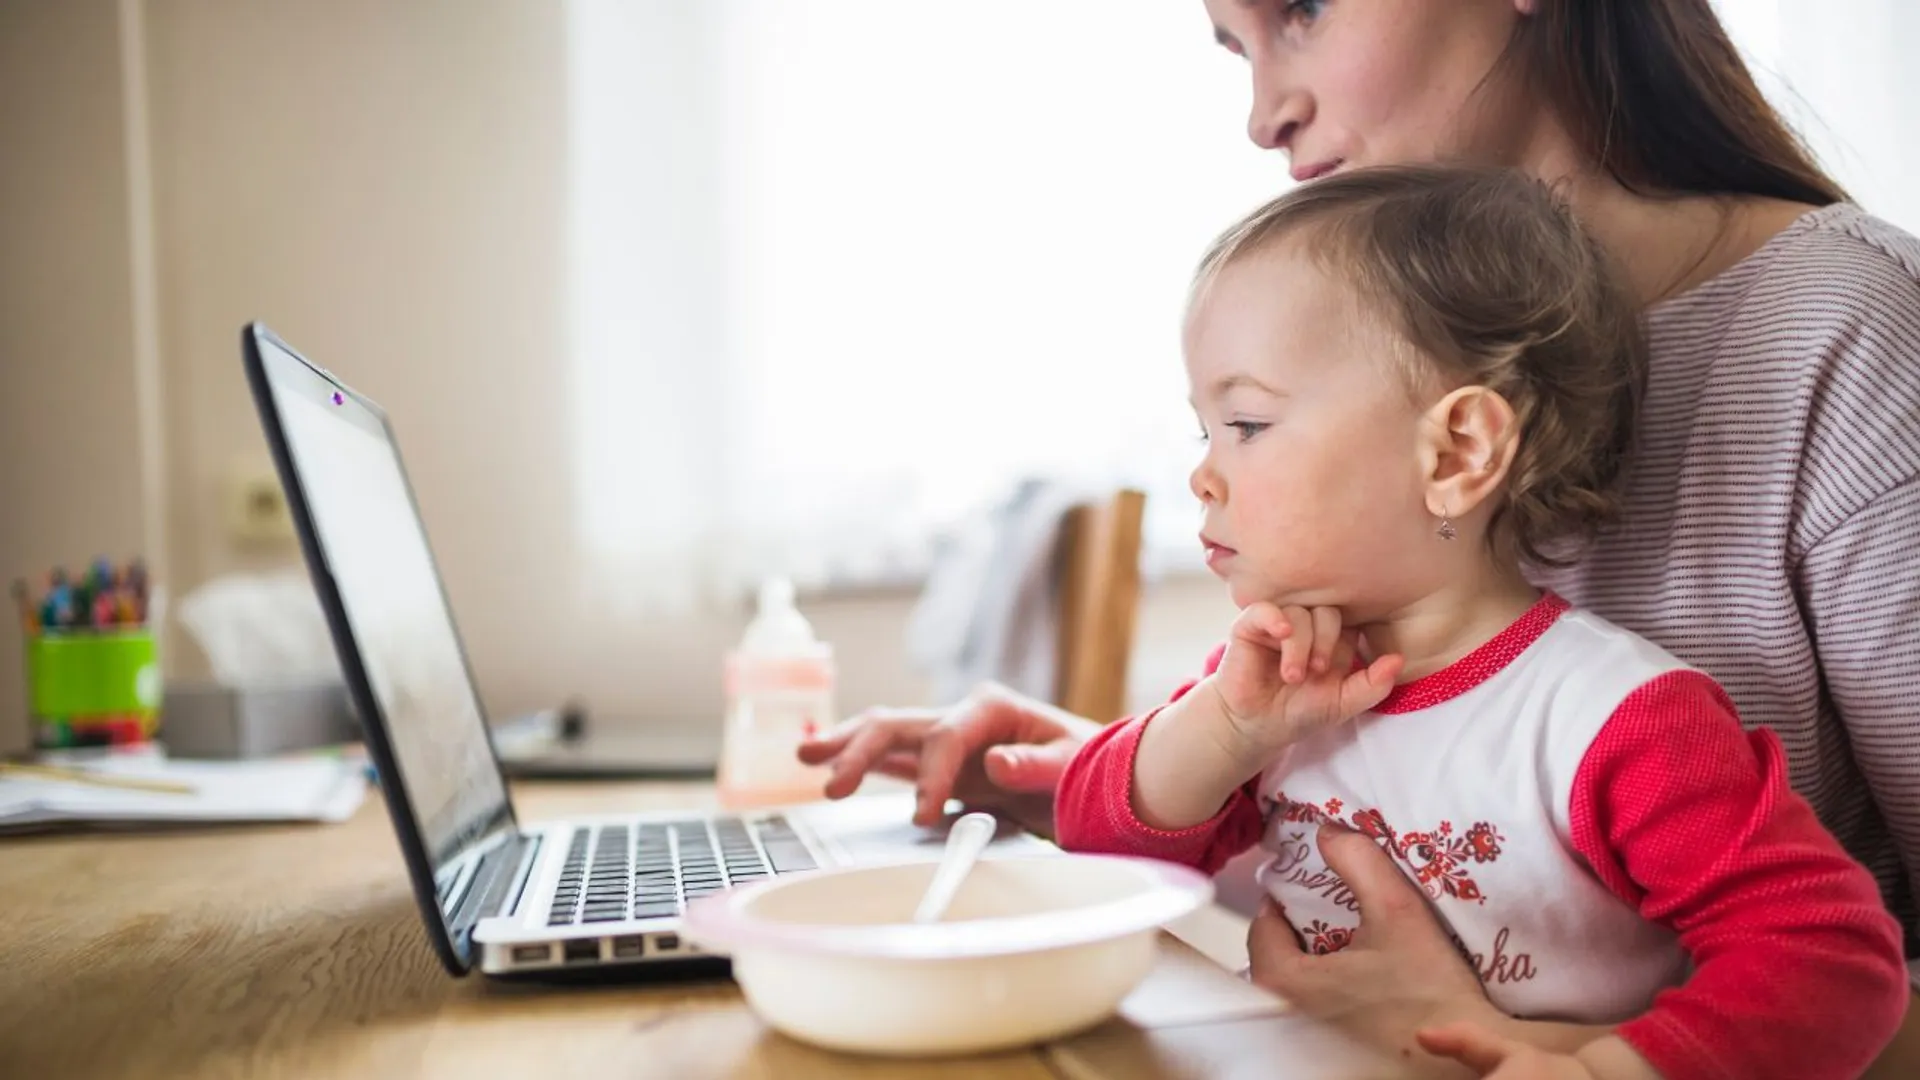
<point>1289,672</point>
<point>1402,973</point>
<point>1400,957</point>
<point>996,749</point>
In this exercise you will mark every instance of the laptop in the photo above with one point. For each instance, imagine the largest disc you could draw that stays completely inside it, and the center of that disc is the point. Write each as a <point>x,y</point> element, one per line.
<point>549,900</point>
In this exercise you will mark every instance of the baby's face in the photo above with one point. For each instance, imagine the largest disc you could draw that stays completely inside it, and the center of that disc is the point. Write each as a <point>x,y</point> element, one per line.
<point>1312,478</point>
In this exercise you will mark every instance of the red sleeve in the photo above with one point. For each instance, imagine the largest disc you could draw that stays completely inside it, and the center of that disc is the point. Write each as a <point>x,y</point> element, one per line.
<point>1093,809</point>
<point>1797,964</point>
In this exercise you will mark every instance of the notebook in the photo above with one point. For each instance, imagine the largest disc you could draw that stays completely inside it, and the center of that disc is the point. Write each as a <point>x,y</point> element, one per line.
<point>293,789</point>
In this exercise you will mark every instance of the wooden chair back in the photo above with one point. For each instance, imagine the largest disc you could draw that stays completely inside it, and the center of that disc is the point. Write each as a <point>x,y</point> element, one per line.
<point>1099,602</point>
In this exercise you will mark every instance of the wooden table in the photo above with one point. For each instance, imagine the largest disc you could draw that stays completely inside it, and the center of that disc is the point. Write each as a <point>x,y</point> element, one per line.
<point>270,952</point>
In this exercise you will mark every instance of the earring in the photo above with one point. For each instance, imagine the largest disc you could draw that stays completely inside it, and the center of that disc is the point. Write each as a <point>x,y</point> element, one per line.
<point>1446,530</point>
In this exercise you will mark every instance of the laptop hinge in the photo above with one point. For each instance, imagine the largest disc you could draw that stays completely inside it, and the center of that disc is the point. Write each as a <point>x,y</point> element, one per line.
<point>497,884</point>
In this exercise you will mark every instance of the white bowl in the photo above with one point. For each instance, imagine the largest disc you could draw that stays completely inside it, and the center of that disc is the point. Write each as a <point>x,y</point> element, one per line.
<point>1032,949</point>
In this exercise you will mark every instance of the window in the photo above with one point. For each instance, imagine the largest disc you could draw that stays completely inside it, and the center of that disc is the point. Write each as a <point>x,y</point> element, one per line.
<point>846,269</point>
<point>1841,75</point>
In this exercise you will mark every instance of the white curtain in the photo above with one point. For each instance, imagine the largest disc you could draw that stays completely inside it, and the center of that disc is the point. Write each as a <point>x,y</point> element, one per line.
<point>1843,73</point>
<point>846,269</point>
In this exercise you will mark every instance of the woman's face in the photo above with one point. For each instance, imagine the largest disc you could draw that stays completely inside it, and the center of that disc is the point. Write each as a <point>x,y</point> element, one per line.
<point>1342,83</point>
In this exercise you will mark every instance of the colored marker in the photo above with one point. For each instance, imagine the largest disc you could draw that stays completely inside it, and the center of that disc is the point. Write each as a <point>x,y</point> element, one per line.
<point>29,618</point>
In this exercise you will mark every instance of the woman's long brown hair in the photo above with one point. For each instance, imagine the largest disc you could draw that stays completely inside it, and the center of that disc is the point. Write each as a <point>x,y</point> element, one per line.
<point>1658,95</point>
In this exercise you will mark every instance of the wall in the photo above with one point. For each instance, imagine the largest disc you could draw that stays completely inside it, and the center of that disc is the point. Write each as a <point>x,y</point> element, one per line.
<point>71,459</point>
<point>385,185</point>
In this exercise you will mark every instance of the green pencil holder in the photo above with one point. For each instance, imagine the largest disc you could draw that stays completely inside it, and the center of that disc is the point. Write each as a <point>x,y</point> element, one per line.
<point>93,687</point>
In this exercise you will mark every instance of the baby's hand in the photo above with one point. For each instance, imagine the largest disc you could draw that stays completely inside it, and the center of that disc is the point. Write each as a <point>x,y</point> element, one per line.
<point>1290,672</point>
<point>1496,1058</point>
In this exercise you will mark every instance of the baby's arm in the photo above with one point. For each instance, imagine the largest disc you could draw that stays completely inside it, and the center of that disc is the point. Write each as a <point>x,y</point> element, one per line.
<point>1094,807</point>
<point>1797,964</point>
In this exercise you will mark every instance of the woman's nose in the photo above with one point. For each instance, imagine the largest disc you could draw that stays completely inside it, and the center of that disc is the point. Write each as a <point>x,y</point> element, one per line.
<point>1280,109</point>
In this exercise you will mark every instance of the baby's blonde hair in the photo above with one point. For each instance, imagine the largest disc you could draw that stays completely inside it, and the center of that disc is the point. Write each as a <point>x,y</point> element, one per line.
<point>1490,280</point>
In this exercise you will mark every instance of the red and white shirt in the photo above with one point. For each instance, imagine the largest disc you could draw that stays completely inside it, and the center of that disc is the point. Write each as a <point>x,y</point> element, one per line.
<point>1601,837</point>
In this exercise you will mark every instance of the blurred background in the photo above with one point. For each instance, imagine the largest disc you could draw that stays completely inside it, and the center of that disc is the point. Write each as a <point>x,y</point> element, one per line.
<point>662,296</point>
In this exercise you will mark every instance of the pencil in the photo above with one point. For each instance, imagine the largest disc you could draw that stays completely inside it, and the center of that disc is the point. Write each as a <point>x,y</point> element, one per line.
<point>84,776</point>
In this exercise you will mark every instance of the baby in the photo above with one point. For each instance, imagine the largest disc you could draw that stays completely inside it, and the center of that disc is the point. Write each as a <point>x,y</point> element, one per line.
<point>1411,383</point>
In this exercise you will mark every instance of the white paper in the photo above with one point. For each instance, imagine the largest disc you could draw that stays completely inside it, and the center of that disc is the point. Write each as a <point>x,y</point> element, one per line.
<point>295,789</point>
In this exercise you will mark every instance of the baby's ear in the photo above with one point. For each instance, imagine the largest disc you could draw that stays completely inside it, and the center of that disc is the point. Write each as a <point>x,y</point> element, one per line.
<point>1469,439</point>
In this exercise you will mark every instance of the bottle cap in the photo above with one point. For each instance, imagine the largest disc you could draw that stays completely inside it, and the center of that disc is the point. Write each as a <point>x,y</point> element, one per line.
<point>778,628</point>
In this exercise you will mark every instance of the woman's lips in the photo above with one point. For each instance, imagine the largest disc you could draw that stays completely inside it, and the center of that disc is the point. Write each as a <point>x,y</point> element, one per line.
<point>1304,173</point>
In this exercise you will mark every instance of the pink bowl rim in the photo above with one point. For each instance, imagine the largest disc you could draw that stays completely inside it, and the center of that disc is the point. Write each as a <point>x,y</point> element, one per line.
<point>725,920</point>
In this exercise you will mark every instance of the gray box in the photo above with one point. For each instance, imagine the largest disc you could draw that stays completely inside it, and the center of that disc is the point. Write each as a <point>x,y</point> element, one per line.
<point>209,720</point>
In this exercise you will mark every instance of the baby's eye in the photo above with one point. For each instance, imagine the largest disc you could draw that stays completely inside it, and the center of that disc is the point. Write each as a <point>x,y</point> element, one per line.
<point>1247,429</point>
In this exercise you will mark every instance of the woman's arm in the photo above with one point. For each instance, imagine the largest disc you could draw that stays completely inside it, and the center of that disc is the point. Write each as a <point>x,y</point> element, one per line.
<point>1862,600</point>
<point>1861,597</point>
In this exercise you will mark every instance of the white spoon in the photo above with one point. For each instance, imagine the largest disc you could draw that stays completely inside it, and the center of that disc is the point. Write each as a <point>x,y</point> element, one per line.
<point>968,837</point>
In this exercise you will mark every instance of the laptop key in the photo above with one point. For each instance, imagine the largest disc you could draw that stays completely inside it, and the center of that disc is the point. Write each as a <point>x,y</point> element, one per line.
<point>788,856</point>
<point>664,910</point>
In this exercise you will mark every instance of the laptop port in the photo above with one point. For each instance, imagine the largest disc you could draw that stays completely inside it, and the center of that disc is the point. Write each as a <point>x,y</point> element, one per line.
<point>582,950</point>
<point>531,954</point>
<point>666,942</point>
<point>627,948</point>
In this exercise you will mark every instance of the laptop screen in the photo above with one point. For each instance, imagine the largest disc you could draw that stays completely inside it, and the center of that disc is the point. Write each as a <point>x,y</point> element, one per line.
<point>373,544</point>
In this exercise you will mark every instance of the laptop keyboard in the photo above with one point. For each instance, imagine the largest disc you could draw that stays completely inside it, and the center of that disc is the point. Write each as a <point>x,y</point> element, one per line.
<point>651,870</point>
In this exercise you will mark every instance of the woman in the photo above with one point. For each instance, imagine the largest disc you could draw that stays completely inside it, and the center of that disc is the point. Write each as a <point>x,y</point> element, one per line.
<point>1773,505</point>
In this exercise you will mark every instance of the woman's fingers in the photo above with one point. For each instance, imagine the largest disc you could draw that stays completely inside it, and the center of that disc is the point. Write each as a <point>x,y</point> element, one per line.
<point>899,764</point>
<point>943,753</point>
<point>820,749</point>
<point>1271,942</point>
<point>824,747</point>
<point>989,718</point>
<point>879,739</point>
<point>1390,905</point>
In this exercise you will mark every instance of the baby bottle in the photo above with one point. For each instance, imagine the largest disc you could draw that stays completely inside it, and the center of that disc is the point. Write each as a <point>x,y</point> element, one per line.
<point>779,689</point>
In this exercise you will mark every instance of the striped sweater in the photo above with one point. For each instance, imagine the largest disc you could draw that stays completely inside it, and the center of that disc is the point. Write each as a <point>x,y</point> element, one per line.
<point>1772,527</point>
